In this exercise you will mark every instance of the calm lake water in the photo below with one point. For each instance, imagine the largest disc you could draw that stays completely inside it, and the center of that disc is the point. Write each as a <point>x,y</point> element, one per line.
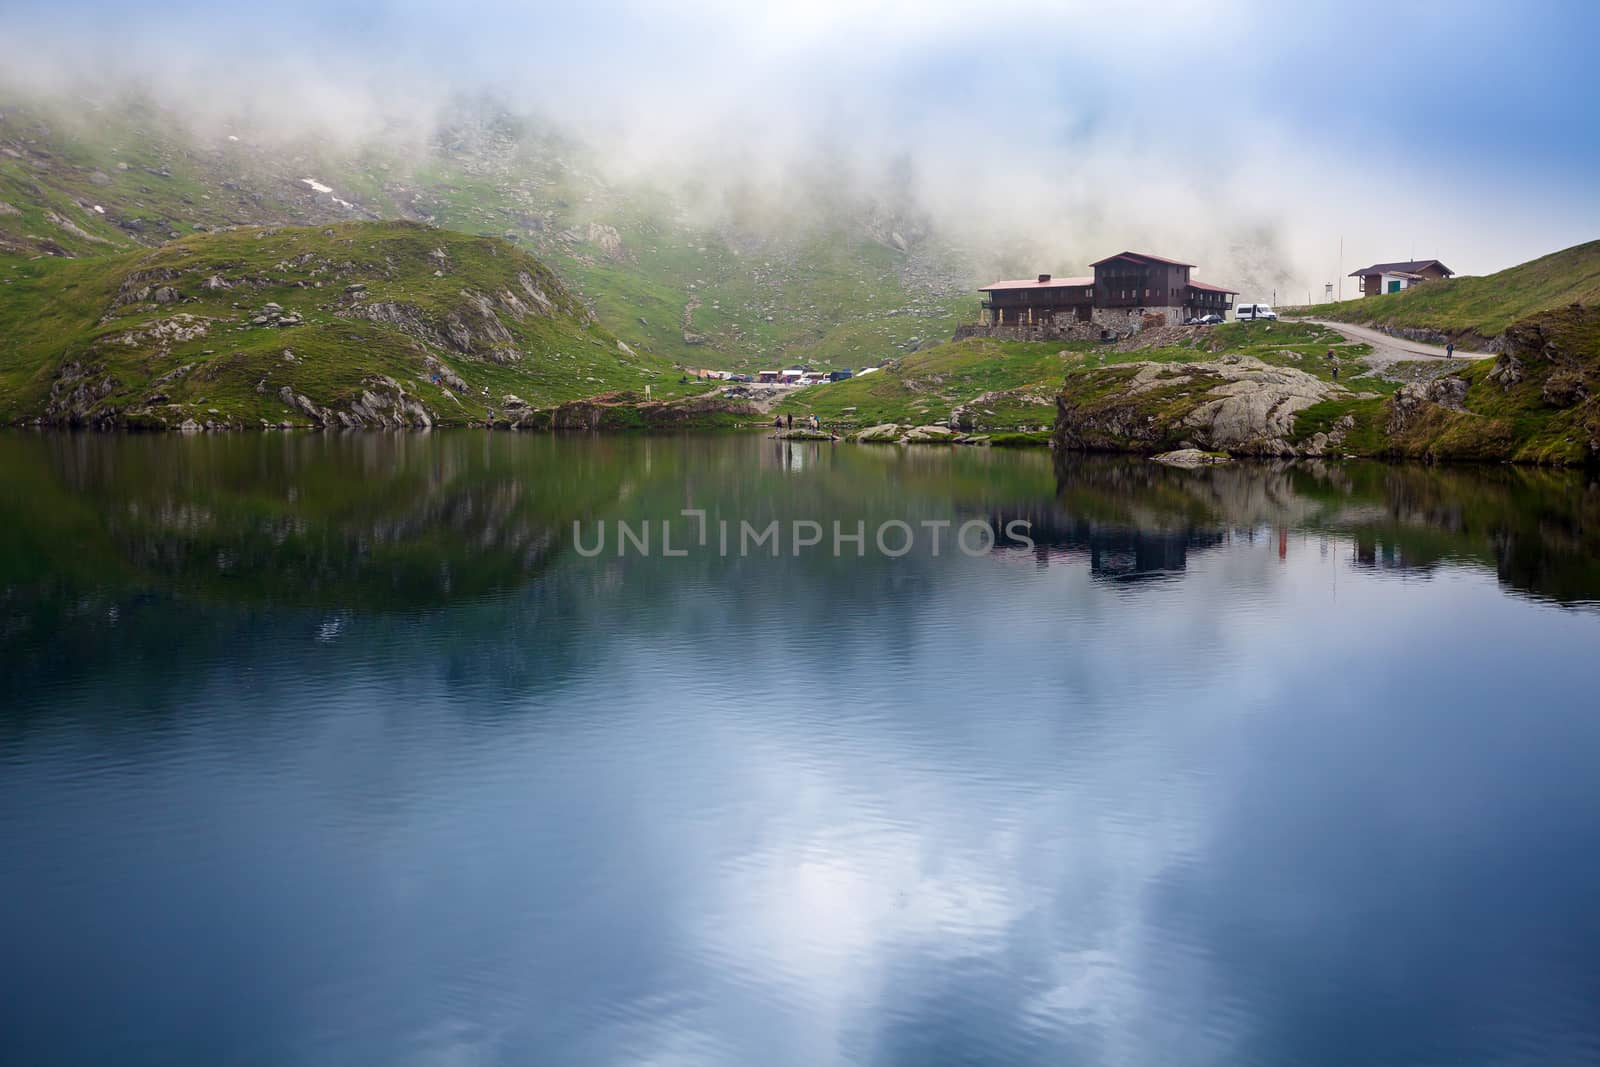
<point>332,750</point>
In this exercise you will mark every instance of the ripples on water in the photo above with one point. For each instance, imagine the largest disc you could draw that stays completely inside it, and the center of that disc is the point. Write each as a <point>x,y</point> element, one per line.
<point>325,750</point>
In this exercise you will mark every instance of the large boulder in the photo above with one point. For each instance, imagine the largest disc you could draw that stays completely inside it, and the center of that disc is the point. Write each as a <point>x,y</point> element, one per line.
<point>1410,401</point>
<point>1234,404</point>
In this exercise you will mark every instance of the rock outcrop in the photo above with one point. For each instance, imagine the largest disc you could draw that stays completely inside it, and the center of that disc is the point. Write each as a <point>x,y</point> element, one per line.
<point>1235,404</point>
<point>77,393</point>
<point>382,403</point>
<point>472,328</point>
<point>1407,405</point>
<point>890,433</point>
<point>274,315</point>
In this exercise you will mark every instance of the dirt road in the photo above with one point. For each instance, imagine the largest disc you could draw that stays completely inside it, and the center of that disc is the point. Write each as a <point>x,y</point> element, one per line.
<point>1386,347</point>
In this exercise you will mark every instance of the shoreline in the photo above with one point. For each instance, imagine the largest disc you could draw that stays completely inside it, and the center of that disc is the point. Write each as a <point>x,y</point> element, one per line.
<point>1003,441</point>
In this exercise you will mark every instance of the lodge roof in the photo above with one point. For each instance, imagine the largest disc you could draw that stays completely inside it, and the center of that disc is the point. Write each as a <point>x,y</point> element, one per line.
<point>1410,266</point>
<point>1208,287</point>
<point>1144,256</point>
<point>1034,283</point>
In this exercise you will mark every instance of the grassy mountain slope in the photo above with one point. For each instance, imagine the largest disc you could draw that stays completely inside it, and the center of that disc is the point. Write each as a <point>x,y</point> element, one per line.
<point>85,184</point>
<point>1480,307</point>
<point>852,285</point>
<point>351,324</point>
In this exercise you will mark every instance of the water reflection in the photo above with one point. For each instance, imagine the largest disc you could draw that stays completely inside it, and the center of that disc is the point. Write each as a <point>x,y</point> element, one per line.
<point>333,749</point>
<point>1539,529</point>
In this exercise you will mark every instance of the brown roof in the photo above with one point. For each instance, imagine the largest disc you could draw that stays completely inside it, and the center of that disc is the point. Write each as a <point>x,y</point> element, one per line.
<point>1208,287</point>
<point>1142,255</point>
<point>1410,266</point>
<point>1034,283</point>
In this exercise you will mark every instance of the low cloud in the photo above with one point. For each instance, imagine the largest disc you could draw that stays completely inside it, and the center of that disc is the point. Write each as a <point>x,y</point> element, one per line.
<point>1250,142</point>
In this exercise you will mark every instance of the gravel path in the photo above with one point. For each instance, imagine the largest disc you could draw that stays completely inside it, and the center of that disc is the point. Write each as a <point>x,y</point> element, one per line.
<point>1386,347</point>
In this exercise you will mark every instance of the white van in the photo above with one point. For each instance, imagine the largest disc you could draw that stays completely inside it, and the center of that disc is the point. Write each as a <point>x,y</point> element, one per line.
<point>1248,312</point>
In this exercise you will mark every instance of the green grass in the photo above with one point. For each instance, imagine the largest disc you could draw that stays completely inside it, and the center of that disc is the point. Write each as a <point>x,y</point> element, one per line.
<point>1018,381</point>
<point>825,292</point>
<point>1480,306</point>
<point>1551,415</point>
<point>830,300</point>
<point>1105,415</point>
<point>1527,421</point>
<point>1034,439</point>
<point>58,313</point>
<point>1365,435</point>
<point>926,386</point>
<point>1301,346</point>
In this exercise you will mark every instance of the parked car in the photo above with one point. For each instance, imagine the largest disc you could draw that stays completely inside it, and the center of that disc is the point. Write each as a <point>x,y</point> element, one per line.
<point>1251,312</point>
<point>1214,319</point>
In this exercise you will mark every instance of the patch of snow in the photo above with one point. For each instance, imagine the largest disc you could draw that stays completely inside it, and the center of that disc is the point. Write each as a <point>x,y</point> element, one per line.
<point>98,210</point>
<point>320,188</point>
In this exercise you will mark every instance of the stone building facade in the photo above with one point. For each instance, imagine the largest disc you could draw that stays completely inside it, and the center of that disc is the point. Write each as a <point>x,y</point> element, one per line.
<point>1127,292</point>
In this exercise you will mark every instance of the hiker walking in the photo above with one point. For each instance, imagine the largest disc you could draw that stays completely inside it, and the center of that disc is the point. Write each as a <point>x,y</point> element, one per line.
<point>1450,350</point>
<point>1334,361</point>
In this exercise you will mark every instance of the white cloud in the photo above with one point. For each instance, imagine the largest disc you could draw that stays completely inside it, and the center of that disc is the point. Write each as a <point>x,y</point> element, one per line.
<point>1058,132</point>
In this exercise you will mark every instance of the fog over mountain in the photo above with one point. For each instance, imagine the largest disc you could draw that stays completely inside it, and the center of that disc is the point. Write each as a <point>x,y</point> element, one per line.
<point>1027,135</point>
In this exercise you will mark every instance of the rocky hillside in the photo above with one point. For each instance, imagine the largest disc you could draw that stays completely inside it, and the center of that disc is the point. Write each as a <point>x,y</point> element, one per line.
<point>841,280</point>
<point>1537,402</point>
<point>354,324</point>
<point>1478,310</point>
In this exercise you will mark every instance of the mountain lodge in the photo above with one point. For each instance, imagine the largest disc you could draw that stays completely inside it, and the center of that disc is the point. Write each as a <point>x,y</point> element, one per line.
<point>1126,285</point>
<point>1393,277</point>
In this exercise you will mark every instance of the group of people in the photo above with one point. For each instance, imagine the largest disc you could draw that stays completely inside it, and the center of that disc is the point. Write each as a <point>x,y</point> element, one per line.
<point>810,422</point>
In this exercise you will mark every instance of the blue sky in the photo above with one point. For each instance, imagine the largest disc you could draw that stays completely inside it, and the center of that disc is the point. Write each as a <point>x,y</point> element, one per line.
<point>1469,131</point>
